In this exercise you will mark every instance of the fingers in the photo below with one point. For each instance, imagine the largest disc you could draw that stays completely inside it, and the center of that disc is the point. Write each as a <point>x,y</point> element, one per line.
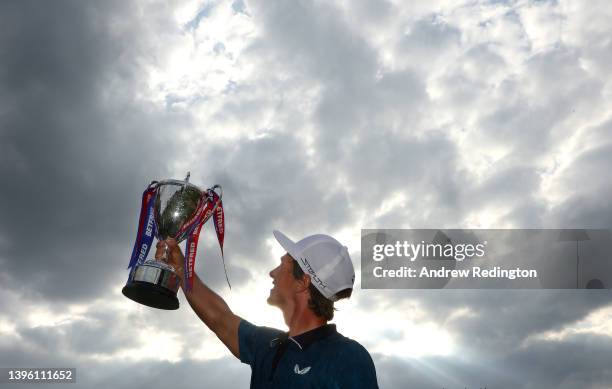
<point>172,243</point>
<point>174,257</point>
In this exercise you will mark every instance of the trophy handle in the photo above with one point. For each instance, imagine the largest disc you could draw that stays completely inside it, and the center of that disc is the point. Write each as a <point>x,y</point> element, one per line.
<point>220,193</point>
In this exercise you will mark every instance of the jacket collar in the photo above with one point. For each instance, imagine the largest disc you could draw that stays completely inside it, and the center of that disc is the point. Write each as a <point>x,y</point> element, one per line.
<point>303,341</point>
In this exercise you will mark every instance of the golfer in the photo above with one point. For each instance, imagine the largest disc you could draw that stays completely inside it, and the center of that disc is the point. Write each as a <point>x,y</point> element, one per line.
<point>315,272</point>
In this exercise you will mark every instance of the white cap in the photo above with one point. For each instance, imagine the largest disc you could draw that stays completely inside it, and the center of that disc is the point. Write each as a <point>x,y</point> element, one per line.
<point>323,258</point>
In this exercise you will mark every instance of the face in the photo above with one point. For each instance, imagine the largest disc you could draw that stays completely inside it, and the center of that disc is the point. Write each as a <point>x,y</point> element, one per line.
<point>284,284</point>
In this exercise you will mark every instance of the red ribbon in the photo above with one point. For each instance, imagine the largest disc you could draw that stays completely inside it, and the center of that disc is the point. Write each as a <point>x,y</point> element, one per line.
<point>211,205</point>
<point>219,222</point>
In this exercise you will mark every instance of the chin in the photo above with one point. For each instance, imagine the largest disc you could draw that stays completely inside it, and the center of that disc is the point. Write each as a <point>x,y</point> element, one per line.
<point>272,300</point>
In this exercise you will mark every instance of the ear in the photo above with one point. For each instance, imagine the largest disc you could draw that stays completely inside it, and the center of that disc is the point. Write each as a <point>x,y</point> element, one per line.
<point>303,284</point>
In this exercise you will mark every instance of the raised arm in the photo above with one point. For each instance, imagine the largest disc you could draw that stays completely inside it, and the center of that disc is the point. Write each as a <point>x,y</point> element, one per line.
<point>208,305</point>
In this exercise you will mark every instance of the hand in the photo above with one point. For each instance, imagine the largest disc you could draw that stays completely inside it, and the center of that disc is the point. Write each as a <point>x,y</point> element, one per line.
<point>174,258</point>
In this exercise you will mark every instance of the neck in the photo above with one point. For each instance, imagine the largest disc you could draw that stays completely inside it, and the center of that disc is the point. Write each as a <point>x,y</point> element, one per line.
<point>301,320</point>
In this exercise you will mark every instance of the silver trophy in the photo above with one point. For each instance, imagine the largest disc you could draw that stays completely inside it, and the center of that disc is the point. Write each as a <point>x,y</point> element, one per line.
<point>155,283</point>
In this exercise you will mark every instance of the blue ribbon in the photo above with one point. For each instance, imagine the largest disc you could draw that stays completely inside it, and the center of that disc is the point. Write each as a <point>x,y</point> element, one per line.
<point>146,230</point>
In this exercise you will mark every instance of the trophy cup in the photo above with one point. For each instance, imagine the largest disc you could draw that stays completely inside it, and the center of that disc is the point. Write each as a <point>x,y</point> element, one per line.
<point>171,209</point>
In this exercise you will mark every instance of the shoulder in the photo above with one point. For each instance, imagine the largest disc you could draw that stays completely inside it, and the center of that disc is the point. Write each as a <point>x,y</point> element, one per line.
<point>253,339</point>
<point>257,335</point>
<point>249,329</point>
<point>348,352</point>
<point>346,346</point>
<point>354,367</point>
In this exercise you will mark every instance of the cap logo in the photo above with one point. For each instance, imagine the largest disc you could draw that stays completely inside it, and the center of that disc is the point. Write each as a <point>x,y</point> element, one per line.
<point>313,274</point>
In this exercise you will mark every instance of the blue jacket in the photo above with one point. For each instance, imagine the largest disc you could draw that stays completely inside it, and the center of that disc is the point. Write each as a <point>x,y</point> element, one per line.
<point>321,358</point>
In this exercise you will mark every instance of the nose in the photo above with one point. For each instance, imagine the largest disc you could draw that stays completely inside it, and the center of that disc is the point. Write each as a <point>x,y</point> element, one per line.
<point>273,272</point>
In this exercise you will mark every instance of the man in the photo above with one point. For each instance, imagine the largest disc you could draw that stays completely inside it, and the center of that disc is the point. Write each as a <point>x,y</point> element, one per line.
<point>315,272</point>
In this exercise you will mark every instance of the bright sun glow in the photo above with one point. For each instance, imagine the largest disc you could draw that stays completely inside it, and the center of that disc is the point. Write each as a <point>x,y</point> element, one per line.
<point>7,328</point>
<point>155,344</point>
<point>400,333</point>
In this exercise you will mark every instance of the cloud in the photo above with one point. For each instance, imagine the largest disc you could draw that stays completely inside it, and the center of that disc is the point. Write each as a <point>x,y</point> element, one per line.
<point>74,138</point>
<point>315,117</point>
<point>579,362</point>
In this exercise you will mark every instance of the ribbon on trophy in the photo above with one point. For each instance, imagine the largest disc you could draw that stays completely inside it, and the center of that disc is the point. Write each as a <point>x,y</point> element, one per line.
<point>211,204</point>
<point>146,227</point>
<point>219,222</point>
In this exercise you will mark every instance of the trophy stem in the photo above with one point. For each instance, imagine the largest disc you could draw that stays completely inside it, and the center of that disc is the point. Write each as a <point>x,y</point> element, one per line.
<point>164,256</point>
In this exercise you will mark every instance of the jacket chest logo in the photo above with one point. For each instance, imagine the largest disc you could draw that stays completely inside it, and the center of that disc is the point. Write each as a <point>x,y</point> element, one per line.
<point>303,371</point>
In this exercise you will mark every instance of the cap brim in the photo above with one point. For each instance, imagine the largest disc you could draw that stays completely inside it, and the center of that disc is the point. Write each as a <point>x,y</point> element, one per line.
<point>285,242</point>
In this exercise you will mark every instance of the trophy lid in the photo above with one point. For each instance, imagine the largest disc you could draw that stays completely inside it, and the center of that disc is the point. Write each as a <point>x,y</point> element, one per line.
<point>185,183</point>
<point>179,182</point>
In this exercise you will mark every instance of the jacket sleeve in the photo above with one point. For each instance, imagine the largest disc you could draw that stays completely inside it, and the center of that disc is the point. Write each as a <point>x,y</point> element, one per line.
<point>247,339</point>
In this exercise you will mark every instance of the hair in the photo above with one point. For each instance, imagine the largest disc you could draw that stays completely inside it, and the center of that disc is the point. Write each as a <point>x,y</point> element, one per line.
<point>319,304</point>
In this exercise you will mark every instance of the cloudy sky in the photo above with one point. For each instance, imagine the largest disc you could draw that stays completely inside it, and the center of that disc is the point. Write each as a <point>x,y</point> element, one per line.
<point>314,117</point>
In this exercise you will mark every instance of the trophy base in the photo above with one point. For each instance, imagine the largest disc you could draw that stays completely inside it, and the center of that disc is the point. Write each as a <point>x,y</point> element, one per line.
<point>151,295</point>
<point>153,284</point>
